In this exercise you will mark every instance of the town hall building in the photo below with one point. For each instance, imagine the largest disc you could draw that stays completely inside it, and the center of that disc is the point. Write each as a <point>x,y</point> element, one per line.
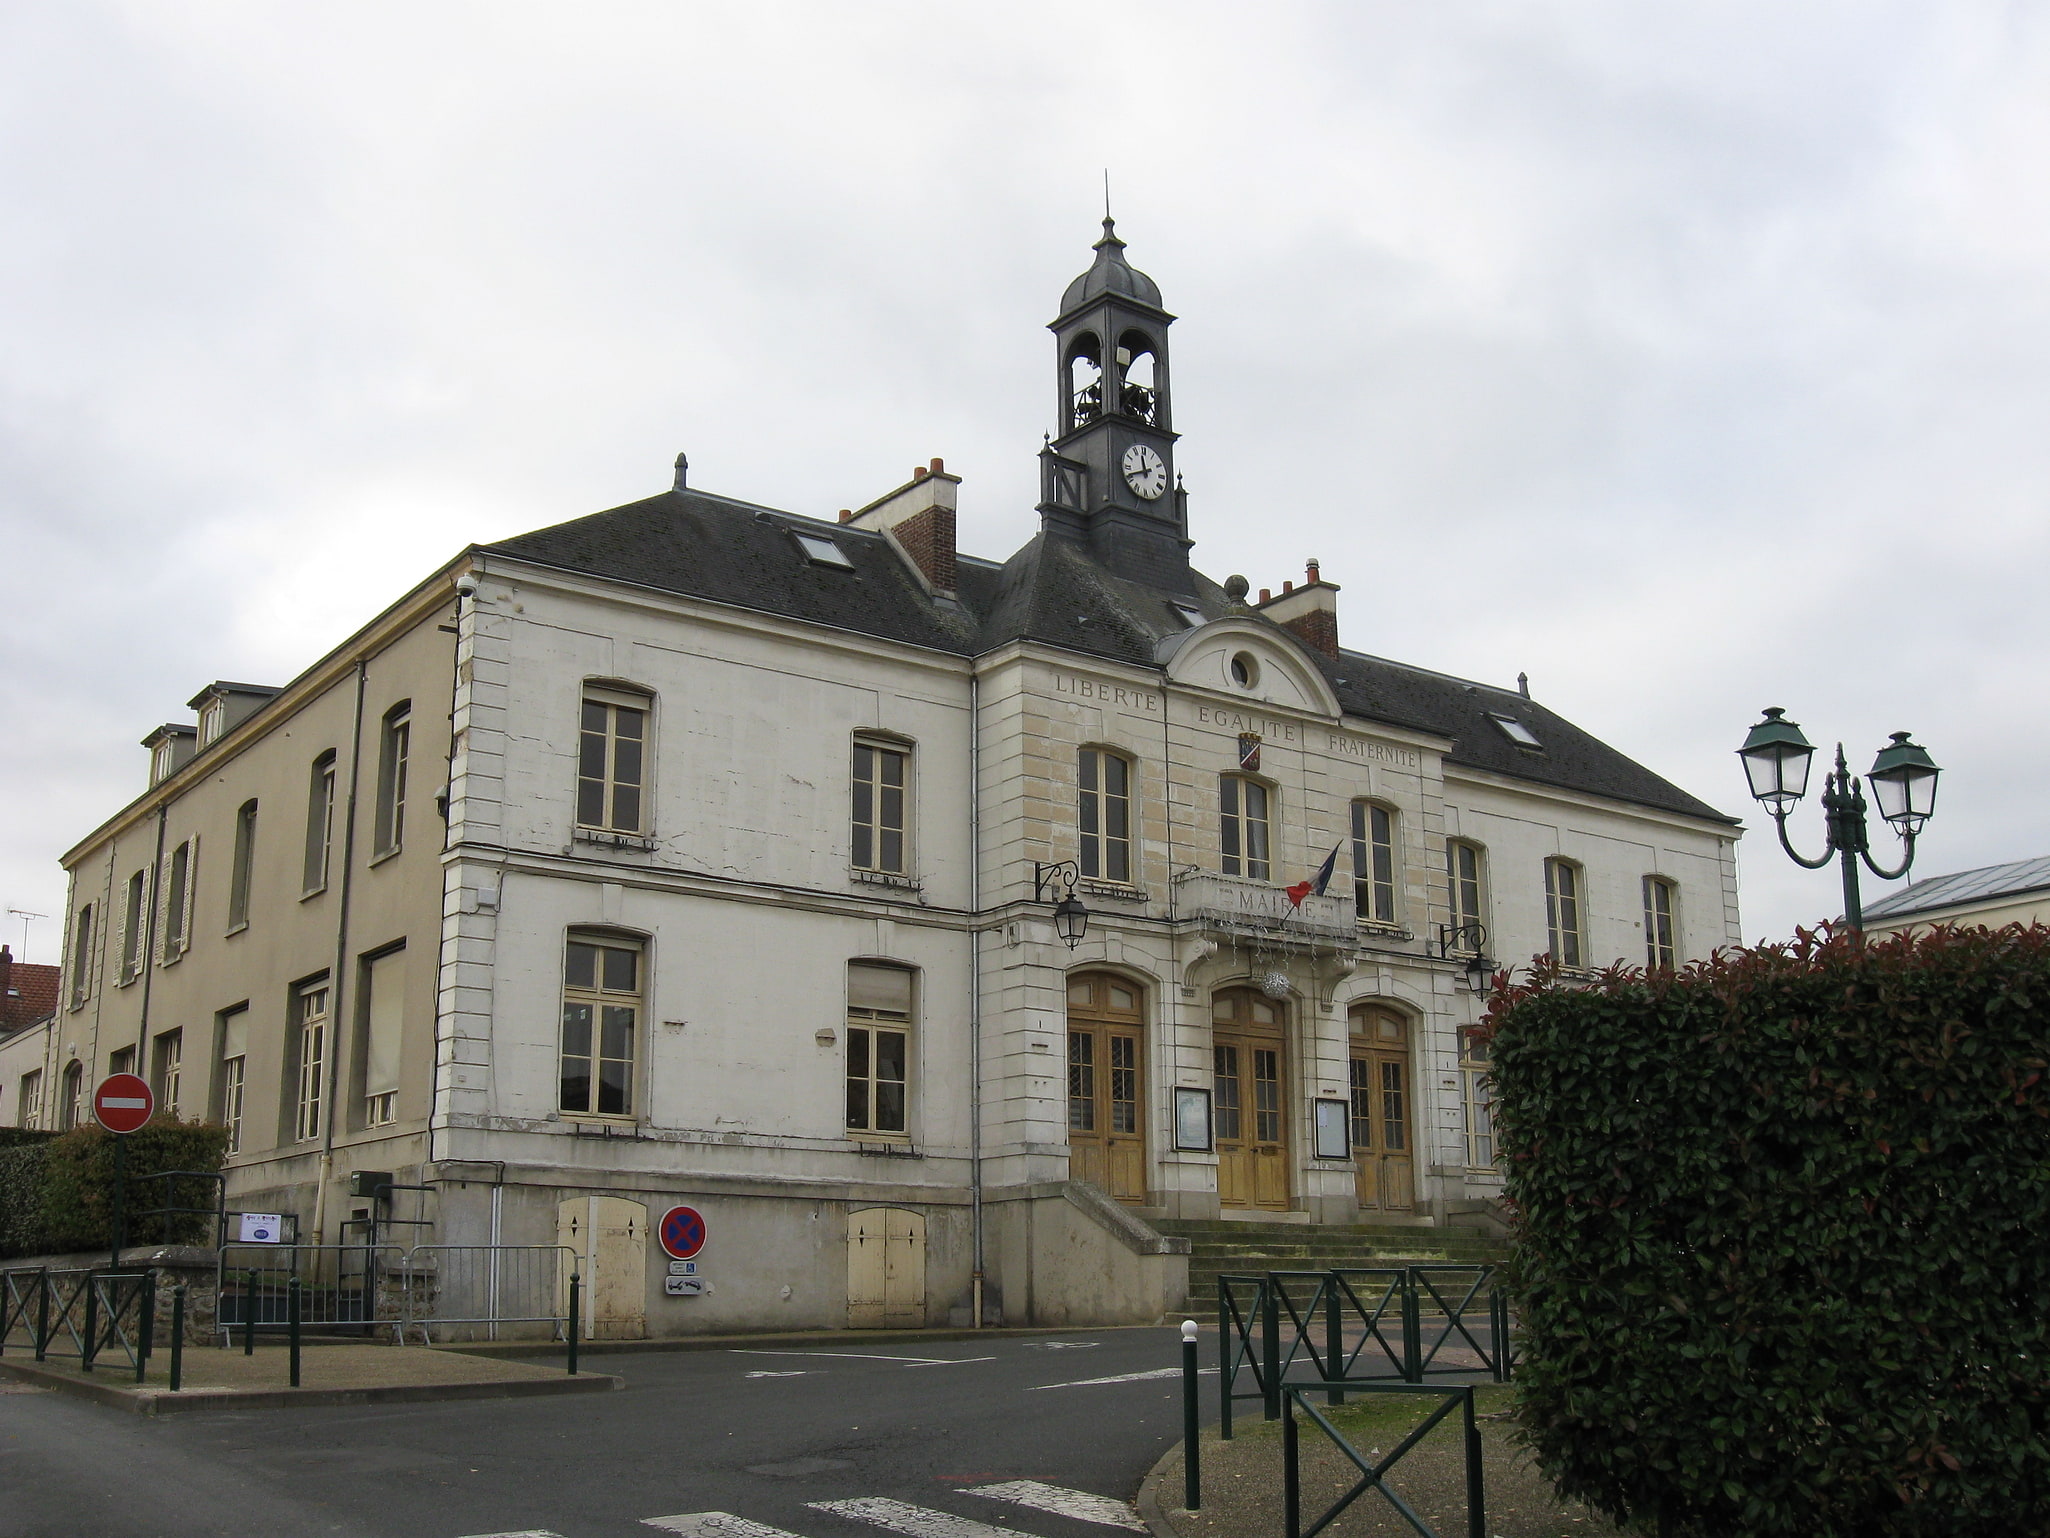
<point>945,930</point>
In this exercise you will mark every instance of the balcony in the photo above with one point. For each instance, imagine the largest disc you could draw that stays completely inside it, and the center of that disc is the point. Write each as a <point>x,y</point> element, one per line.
<point>1256,910</point>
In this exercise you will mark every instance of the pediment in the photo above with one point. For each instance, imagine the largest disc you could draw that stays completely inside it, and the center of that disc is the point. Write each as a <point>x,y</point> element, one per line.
<point>1280,675</point>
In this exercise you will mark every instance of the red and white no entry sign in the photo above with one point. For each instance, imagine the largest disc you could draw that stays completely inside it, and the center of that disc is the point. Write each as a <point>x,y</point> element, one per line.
<point>123,1102</point>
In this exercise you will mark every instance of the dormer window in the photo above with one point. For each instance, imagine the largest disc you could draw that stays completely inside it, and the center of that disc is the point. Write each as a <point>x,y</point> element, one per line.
<point>210,718</point>
<point>161,762</point>
<point>822,551</point>
<point>1188,613</point>
<point>1517,732</point>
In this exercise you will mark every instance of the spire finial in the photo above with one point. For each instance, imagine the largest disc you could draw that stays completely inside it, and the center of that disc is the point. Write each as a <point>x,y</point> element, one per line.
<point>1106,194</point>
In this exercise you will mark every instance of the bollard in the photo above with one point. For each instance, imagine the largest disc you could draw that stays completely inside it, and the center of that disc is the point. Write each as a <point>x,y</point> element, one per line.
<point>1476,1517</point>
<point>43,1316</point>
<point>1192,1431</point>
<point>249,1316</point>
<point>177,1336</point>
<point>574,1283</point>
<point>92,1323</point>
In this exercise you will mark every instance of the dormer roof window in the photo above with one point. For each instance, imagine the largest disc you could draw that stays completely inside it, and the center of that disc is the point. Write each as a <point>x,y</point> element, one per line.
<point>1516,731</point>
<point>211,715</point>
<point>1189,614</point>
<point>821,550</point>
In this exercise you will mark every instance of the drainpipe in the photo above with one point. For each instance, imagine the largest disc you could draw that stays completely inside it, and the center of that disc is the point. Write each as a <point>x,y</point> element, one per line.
<point>975,992</point>
<point>335,982</point>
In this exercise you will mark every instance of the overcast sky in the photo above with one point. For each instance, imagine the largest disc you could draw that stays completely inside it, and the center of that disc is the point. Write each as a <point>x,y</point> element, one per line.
<point>1693,357</point>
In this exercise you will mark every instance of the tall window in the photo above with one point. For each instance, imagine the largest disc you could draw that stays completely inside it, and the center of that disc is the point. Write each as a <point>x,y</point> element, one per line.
<point>1242,812</point>
<point>122,1061</point>
<point>72,1113</point>
<point>309,1008</point>
<point>1105,814</point>
<point>878,1049</point>
<point>1373,861</point>
<point>610,761</point>
<point>601,1015</point>
<point>212,717</point>
<point>1563,919</point>
<point>382,1002</point>
<point>1659,947</point>
<point>234,1060</point>
<point>320,822</point>
<point>177,925</point>
<point>81,958</point>
<point>134,921</point>
<point>245,855</point>
<point>28,1109</point>
<point>1475,1091</point>
<point>879,795</point>
<point>1463,883</point>
<point>394,742</point>
<point>166,1072</point>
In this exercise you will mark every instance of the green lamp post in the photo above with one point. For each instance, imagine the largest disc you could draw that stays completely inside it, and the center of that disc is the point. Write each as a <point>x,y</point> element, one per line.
<point>1903,779</point>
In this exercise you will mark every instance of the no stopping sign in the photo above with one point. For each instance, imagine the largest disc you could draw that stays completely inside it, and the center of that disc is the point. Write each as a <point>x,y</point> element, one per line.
<point>682,1232</point>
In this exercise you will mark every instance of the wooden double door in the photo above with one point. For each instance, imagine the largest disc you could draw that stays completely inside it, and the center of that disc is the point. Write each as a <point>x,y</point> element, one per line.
<point>1383,1160</point>
<point>1249,1051</point>
<point>1106,1088</point>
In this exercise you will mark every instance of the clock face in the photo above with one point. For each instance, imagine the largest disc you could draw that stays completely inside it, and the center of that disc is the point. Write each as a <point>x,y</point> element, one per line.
<point>1145,471</point>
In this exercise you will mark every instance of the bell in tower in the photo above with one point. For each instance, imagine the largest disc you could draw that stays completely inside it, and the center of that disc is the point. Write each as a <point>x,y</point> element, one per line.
<point>1107,473</point>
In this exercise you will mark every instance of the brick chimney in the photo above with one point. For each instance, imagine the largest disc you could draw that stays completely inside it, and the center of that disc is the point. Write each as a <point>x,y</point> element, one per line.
<point>1311,611</point>
<point>918,520</point>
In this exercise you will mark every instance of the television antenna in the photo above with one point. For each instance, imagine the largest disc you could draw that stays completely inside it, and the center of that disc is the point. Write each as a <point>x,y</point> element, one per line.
<point>26,918</point>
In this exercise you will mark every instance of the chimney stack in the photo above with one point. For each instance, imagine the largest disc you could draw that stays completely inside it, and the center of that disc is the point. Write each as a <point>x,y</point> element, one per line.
<point>918,521</point>
<point>1310,611</point>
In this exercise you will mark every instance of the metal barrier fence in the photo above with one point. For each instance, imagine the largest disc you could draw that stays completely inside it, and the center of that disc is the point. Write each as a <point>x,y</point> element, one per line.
<point>1336,1326</point>
<point>452,1287</point>
<point>81,1313</point>
<point>344,1289</point>
<point>1373,1476</point>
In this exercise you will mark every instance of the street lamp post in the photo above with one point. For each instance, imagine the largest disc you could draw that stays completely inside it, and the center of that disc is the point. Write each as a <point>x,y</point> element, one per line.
<point>1903,780</point>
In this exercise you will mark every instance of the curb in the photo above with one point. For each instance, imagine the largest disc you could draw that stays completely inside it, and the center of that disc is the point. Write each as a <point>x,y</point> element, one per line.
<point>780,1338</point>
<point>164,1402</point>
<point>1151,1512</point>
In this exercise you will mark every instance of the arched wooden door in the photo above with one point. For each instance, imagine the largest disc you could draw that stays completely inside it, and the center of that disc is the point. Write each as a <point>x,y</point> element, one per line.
<point>1381,1133</point>
<point>885,1269</point>
<point>1250,1057</point>
<point>1106,1111</point>
<point>610,1237</point>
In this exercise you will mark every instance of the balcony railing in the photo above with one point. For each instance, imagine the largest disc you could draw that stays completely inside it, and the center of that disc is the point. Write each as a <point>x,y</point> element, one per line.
<point>1233,905</point>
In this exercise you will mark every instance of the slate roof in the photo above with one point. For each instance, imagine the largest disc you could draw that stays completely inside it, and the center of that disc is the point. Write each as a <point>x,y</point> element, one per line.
<point>1053,590</point>
<point>1986,884</point>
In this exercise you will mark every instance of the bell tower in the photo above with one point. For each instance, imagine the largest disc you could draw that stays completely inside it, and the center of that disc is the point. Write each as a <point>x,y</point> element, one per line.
<point>1107,474</point>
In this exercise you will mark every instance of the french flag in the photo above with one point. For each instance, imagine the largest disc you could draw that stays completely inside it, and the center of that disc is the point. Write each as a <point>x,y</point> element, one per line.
<point>1318,882</point>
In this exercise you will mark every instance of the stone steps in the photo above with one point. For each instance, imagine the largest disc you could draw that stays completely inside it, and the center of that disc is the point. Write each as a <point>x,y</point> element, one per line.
<point>1220,1248</point>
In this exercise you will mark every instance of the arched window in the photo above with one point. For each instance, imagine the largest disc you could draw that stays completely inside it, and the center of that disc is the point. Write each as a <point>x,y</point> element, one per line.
<point>612,745</point>
<point>72,1107</point>
<point>1373,861</point>
<point>881,785</point>
<point>1476,1093</point>
<point>601,1018</point>
<point>1138,390</point>
<point>1104,814</point>
<point>1661,943</point>
<point>1106,1120</point>
<point>1565,932</point>
<point>1085,380</point>
<point>879,1005</point>
<point>1463,895</point>
<point>394,750</point>
<point>1243,821</point>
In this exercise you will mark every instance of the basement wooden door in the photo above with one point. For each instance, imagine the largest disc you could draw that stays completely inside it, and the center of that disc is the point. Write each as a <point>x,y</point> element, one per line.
<point>1106,1117</point>
<point>610,1237</point>
<point>1250,1055</point>
<point>1383,1162</point>
<point>885,1269</point>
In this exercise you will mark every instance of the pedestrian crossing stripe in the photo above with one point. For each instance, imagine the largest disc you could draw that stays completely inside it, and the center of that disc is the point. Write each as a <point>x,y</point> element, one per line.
<point>912,1521</point>
<point>1079,1504</point>
<point>902,1517</point>
<point>714,1524</point>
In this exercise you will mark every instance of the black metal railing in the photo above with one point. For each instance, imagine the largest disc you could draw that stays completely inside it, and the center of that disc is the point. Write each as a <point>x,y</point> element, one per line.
<point>80,1313</point>
<point>1374,1474</point>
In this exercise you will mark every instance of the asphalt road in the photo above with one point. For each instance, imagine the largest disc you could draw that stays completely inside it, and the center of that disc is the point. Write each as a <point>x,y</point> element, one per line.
<point>759,1434</point>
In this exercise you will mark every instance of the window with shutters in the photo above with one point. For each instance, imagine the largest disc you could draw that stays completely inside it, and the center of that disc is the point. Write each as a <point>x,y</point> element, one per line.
<point>601,1018</point>
<point>878,1050</point>
<point>1243,817</point>
<point>1373,862</point>
<point>320,823</point>
<point>1476,1093</point>
<point>612,753</point>
<point>166,1072</point>
<point>1104,812</point>
<point>309,1058</point>
<point>881,803</point>
<point>233,1028</point>
<point>72,1108</point>
<point>395,739</point>
<point>381,1008</point>
<point>134,926</point>
<point>1661,948</point>
<point>239,871</point>
<point>28,1107</point>
<point>176,925</point>
<point>81,958</point>
<point>1463,885</point>
<point>1564,919</point>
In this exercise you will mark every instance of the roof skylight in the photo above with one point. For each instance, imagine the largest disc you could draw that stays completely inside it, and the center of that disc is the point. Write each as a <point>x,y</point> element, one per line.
<point>1191,615</point>
<point>822,551</point>
<point>1516,731</point>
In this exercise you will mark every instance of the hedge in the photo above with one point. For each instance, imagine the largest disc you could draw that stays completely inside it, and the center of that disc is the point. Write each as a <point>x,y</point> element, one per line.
<point>1783,1259</point>
<point>78,1184</point>
<point>23,1163</point>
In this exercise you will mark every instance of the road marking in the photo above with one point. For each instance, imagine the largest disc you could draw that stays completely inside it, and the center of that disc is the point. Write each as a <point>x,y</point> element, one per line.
<point>1123,1377</point>
<point>525,1532</point>
<point>794,1373</point>
<point>872,1356</point>
<point>1062,1345</point>
<point>712,1524</point>
<point>914,1521</point>
<point>1079,1504</point>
